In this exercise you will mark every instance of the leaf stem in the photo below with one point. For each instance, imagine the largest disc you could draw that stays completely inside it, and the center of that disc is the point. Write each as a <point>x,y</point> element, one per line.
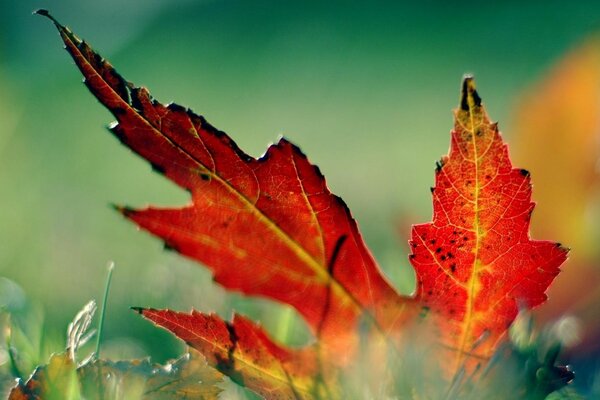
<point>111,267</point>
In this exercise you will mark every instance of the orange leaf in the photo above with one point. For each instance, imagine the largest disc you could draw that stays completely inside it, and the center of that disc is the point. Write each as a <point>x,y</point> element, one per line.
<point>274,219</point>
<point>243,351</point>
<point>475,262</point>
<point>562,111</point>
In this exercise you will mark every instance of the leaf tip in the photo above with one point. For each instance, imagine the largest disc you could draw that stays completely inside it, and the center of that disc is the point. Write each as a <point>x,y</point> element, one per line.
<point>564,249</point>
<point>45,13</point>
<point>42,12</point>
<point>139,310</point>
<point>170,247</point>
<point>123,210</point>
<point>469,97</point>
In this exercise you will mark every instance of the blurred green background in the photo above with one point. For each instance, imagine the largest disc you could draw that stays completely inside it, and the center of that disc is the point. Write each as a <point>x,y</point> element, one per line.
<point>365,88</point>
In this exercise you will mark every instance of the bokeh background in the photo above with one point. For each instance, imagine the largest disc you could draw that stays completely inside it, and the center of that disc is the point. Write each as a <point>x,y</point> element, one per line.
<point>366,89</point>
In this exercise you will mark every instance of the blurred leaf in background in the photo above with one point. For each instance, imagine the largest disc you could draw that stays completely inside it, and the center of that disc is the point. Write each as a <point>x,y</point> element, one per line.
<point>557,137</point>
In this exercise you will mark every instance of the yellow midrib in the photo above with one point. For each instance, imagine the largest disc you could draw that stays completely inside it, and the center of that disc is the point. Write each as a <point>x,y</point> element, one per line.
<point>473,279</point>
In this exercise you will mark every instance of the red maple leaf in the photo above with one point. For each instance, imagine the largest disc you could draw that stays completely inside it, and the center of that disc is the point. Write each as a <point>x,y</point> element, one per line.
<point>271,227</point>
<point>475,262</point>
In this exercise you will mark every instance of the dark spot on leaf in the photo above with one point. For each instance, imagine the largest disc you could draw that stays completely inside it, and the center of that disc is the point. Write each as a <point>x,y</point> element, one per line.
<point>158,168</point>
<point>227,365</point>
<point>468,88</point>
<point>96,59</point>
<point>139,310</point>
<point>438,250</point>
<point>135,97</point>
<point>176,107</point>
<point>169,247</point>
<point>126,211</point>
<point>118,111</point>
<point>524,172</point>
<point>205,176</point>
<point>453,267</point>
<point>438,166</point>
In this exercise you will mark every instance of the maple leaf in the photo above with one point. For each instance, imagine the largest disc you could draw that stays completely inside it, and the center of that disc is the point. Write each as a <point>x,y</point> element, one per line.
<point>271,227</point>
<point>243,351</point>
<point>273,218</point>
<point>475,262</point>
